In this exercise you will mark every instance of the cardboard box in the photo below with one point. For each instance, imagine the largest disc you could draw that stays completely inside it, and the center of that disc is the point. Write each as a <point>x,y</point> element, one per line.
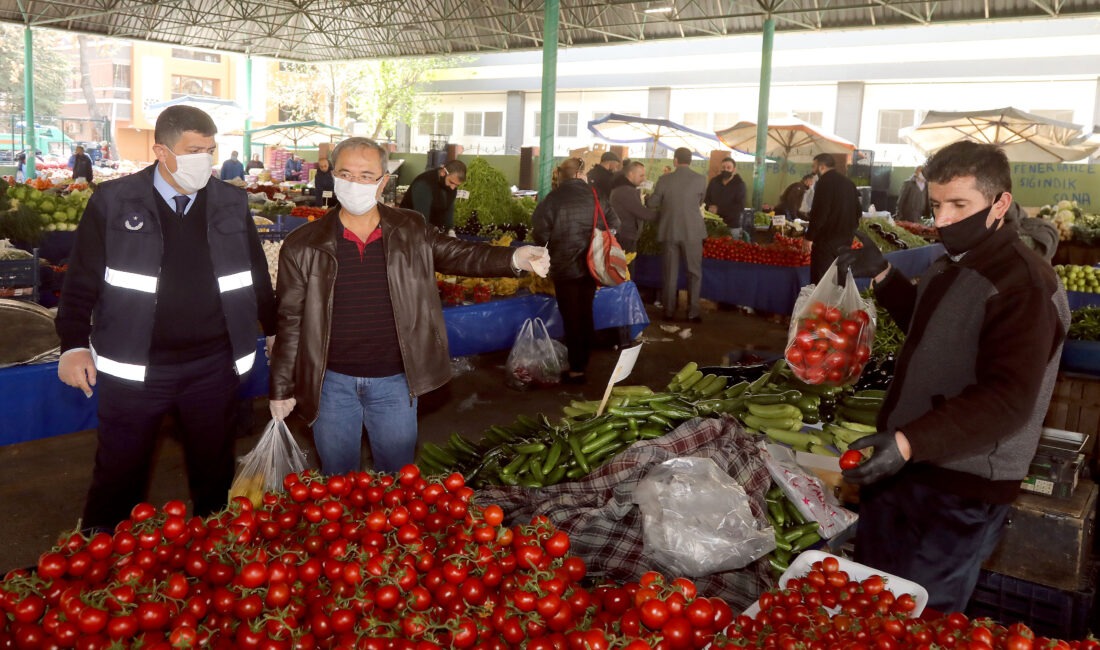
<point>1048,541</point>
<point>827,468</point>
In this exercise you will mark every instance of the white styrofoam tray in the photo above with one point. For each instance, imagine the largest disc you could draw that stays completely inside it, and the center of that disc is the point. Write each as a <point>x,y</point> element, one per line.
<point>856,571</point>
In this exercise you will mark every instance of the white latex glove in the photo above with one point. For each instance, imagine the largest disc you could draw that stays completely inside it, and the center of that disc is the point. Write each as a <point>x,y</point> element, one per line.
<point>535,259</point>
<point>77,369</point>
<point>281,408</point>
<point>451,233</point>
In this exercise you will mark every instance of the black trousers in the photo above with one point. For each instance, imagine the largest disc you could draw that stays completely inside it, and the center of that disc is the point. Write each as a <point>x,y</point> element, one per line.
<point>575,304</point>
<point>203,396</point>
<point>935,539</point>
<point>822,256</point>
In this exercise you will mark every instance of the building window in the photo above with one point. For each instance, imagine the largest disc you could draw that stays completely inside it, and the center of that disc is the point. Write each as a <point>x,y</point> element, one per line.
<point>890,122</point>
<point>196,86</point>
<point>195,55</point>
<point>724,120</point>
<point>120,75</point>
<point>473,124</point>
<point>696,120</point>
<point>537,122</point>
<point>567,125</point>
<point>494,124</point>
<point>436,124</point>
<point>817,118</point>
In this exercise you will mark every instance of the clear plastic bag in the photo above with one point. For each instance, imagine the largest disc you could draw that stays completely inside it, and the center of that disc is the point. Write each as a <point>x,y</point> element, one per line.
<point>263,469</point>
<point>697,520</point>
<point>807,492</point>
<point>533,359</point>
<point>832,328</point>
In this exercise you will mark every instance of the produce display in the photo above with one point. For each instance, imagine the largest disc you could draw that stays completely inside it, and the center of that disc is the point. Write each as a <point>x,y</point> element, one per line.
<point>312,213</point>
<point>1076,277</point>
<point>491,210</point>
<point>1063,215</point>
<point>536,452</point>
<point>783,252</point>
<point>1085,324</point>
<point>929,233</point>
<point>888,236</point>
<point>793,533</point>
<point>55,209</point>
<point>350,561</point>
<point>456,290</point>
<point>830,346</point>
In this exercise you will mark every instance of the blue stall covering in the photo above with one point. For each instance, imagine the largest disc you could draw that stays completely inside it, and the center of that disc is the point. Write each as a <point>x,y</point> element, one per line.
<point>37,405</point>
<point>1078,299</point>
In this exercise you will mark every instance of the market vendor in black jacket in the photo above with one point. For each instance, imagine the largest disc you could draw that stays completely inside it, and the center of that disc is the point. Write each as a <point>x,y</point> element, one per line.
<point>961,420</point>
<point>834,215</point>
<point>159,312</point>
<point>433,193</point>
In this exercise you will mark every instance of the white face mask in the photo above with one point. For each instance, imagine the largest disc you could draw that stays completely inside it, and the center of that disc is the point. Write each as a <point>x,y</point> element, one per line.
<point>192,170</point>
<point>356,198</point>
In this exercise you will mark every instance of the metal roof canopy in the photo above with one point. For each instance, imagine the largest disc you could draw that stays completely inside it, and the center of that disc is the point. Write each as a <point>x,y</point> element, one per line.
<point>326,30</point>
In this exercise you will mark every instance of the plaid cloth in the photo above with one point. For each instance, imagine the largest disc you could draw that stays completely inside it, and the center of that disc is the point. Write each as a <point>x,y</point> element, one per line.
<point>605,526</point>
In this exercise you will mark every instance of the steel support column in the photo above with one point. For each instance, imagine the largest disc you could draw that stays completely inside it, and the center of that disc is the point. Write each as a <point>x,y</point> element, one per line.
<point>247,148</point>
<point>549,92</point>
<point>758,168</point>
<point>30,134</point>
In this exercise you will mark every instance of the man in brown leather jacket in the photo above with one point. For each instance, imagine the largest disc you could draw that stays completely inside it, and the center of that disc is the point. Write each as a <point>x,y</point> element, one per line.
<point>364,332</point>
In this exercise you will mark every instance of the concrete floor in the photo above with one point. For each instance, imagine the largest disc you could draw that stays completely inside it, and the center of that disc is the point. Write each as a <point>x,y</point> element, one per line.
<point>43,483</point>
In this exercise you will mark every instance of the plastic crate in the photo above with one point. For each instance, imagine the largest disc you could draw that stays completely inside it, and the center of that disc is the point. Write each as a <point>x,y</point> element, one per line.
<point>1047,611</point>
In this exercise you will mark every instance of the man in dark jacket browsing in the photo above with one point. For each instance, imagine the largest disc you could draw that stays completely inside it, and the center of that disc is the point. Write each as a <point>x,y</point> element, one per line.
<point>726,194</point>
<point>962,418</point>
<point>159,312</point>
<point>433,194</point>
<point>362,326</point>
<point>626,201</point>
<point>834,215</point>
<point>603,175</point>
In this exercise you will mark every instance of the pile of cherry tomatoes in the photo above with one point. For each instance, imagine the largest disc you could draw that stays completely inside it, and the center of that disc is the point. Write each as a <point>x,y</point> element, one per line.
<point>826,608</point>
<point>784,252</point>
<point>361,560</point>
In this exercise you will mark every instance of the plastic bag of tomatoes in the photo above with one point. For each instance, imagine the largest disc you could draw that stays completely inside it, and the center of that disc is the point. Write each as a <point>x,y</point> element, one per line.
<point>831,331</point>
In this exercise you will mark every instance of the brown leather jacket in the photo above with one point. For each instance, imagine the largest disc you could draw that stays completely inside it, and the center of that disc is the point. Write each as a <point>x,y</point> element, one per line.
<point>414,252</point>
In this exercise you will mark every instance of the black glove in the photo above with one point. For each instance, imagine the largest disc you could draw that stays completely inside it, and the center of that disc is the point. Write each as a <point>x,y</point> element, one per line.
<point>886,460</point>
<point>866,262</point>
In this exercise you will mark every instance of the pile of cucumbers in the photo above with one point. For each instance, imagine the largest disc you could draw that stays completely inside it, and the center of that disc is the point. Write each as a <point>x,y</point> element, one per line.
<point>793,532</point>
<point>536,452</point>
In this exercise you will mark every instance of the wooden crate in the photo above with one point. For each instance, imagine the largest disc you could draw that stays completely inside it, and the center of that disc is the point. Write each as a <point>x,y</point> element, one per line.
<point>1075,406</point>
<point>1049,541</point>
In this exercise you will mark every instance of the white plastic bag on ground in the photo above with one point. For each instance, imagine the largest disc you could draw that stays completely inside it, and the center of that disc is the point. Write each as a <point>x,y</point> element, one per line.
<point>697,520</point>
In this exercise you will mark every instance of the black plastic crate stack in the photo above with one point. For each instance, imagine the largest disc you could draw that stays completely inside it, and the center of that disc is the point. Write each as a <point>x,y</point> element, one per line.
<point>1047,611</point>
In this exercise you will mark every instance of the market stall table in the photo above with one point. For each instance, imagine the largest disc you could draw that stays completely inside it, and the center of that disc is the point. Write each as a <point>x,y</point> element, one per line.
<point>37,405</point>
<point>772,289</point>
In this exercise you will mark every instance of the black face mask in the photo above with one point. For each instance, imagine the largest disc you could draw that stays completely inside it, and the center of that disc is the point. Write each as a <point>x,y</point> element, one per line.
<point>966,234</point>
<point>725,175</point>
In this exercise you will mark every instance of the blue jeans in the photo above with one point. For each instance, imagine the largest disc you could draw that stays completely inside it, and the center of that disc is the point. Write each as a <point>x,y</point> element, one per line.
<point>382,404</point>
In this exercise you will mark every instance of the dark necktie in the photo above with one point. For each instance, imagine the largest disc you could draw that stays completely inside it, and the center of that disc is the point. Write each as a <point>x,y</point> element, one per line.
<point>181,204</point>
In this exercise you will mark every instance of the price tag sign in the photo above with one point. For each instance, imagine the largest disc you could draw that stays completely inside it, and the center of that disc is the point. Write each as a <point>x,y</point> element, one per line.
<point>327,194</point>
<point>779,220</point>
<point>462,194</point>
<point>278,197</point>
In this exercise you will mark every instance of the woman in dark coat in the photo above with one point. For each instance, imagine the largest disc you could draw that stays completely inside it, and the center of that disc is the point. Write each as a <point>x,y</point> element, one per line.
<point>563,223</point>
<point>322,182</point>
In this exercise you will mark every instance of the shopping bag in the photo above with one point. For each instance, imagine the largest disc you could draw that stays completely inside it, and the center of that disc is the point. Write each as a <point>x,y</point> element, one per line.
<point>606,258</point>
<point>831,331</point>
<point>263,469</point>
<point>533,359</point>
<point>698,520</point>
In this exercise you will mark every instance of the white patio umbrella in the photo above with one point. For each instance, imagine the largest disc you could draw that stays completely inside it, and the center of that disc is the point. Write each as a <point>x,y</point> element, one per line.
<point>627,129</point>
<point>789,138</point>
<point>1023,136</point>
